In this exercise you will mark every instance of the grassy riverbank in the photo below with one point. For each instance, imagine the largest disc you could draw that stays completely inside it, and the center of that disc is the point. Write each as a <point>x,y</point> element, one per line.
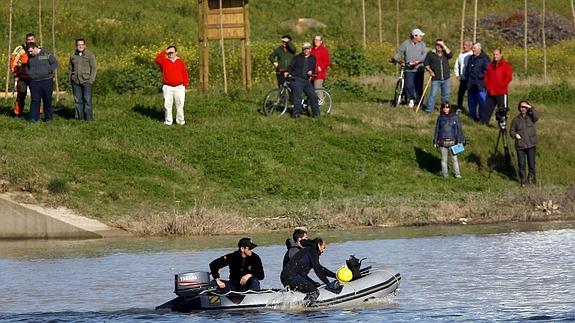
<point>231,169</point>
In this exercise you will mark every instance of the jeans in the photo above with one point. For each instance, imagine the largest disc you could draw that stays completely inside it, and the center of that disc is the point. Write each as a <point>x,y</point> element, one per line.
<point>252,284</point>
<point>41,92</point>
<point>414,85</point>
<point>445,153</point>
<point>476,97</point>
<point>529,154</point>
<point>83,100</point>
<point>445,86</point>
<point>177,94</point>
<point>299,85</point>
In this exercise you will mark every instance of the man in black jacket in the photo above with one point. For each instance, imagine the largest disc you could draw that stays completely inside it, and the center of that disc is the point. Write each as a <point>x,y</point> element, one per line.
<point>301,68</point>
<point>295,273</point>
<point>246,269</point>
<point>299,241</point>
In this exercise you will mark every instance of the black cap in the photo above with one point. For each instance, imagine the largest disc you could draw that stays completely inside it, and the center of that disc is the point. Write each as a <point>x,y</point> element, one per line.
<point>246,243</point>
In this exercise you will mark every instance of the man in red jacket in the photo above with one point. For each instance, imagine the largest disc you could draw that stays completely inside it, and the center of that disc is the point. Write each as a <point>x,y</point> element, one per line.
<point>321,55</point>
<point>497,79</point>
<point>175,76</point>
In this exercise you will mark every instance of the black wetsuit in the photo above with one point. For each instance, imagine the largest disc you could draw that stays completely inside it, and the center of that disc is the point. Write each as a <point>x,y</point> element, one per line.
<point>294,248</point>
<point>295,273</point>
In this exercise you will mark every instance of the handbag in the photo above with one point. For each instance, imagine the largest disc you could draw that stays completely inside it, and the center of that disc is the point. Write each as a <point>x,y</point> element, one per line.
<point>457,149</point>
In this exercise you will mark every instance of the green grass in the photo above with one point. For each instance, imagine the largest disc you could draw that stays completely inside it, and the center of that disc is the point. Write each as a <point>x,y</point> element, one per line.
<point>236,160</point>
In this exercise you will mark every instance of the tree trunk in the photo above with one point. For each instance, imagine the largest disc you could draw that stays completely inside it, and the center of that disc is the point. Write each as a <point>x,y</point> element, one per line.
<point>462,33</point>
<point>396,30</point>
<point>573,13</point>
<point>223,48</point>
<point>525,53</point>
<point>544,43</point>
<point>475,23</point>
<point>54,48</point>
<point>10,5</point>
<point>40,37</point>
<point>364,23</point>
<point>379,23</point>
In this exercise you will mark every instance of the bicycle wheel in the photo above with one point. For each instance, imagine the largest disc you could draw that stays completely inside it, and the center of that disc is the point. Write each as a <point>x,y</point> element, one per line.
<point>276,102</point>
<point>397,94</point>
<point>324,100</point>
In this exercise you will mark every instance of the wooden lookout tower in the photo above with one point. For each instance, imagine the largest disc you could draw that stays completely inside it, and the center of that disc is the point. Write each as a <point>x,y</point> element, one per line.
<point>223,20</point>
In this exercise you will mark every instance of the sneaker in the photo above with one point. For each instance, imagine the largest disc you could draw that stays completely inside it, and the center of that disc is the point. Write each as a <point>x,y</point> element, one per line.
<point>457,176</point>
<point>411,104</point>
<point>167,123</point>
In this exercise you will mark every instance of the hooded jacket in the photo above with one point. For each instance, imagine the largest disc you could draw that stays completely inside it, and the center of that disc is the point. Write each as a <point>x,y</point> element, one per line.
<point>497,77</point>
<point>321,55</point>
<point>525,127</point>
<point>448,127</point>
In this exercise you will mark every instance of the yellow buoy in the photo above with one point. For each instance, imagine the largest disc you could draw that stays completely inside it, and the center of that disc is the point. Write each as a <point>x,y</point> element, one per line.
<point>344,275</point>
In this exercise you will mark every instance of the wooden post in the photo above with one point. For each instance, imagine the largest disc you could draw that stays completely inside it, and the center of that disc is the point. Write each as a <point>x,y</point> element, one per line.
<point>379,23</point>
<point>462,32</point>
<point>10,6</point>
<point>573,12</point>
<point>475,23</point>
<point>248,45</point>
<point>396,24</point>
<point>364,23</point>
<point>222,48</point>
<point>544,43</point>
<point>525,52</point>
<point>204,47</point>
<point>243,60</point>
<point>54,47</point>
<point>40,23</point>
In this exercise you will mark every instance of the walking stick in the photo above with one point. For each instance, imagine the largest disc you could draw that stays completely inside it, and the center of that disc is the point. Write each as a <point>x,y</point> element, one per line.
<point>423,94</point>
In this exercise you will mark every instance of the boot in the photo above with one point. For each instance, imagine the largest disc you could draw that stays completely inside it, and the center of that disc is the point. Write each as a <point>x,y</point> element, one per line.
<point>311,297</point>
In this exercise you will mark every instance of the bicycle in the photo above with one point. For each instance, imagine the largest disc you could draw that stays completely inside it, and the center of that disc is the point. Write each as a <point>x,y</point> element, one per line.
<point>277,101</point>
<point>399,96</point>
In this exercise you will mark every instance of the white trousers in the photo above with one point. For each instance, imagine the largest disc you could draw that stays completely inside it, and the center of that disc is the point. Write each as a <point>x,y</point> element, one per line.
<point>177,94</point>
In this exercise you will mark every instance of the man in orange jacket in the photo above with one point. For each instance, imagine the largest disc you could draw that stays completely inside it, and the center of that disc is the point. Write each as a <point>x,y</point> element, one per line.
<point>497,78</point>
<point>19,66</point>
<point>175,77</point>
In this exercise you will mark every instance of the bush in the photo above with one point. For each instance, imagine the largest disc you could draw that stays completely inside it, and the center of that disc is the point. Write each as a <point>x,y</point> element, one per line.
<point>554,93</point>
<point>58,186</point>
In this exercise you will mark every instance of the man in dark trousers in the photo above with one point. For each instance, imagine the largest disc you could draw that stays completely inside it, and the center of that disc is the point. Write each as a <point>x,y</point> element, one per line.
<point>20,69</point>
<point>301,69</point>
<point>246,269</point>
<point>281,57</point>
<point>295,273</point>
<point>497,78</point>
<point>41,69</point>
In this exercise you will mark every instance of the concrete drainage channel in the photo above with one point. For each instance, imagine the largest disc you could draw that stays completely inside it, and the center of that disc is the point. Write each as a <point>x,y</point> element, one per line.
<point>26,221</point>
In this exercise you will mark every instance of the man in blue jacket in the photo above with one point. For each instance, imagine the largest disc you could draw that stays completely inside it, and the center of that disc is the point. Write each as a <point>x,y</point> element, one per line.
<point>41,69</point>
<point>474,74</point>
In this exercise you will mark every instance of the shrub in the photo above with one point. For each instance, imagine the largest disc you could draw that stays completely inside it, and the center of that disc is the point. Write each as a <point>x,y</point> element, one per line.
<point>554,93</point>
<point>58,186</point>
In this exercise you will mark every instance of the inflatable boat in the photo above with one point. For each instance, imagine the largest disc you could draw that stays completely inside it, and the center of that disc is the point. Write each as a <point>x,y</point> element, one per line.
<point>195,292</point>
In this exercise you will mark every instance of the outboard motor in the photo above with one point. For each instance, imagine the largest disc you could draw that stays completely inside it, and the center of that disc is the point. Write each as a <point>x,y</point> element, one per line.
<point>189,284</point>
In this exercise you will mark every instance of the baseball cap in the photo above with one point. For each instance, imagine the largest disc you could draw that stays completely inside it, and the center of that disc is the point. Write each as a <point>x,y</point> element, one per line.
<point>416,32</point>
<point>246,243</point>
<point>286,38</point>
<point>306,45</point>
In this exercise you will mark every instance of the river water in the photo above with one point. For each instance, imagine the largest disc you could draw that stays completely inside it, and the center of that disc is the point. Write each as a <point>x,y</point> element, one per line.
<point>461,273</point>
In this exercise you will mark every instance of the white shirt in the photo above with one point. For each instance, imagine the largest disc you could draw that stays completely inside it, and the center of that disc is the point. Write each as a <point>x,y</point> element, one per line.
<point>459,66</point>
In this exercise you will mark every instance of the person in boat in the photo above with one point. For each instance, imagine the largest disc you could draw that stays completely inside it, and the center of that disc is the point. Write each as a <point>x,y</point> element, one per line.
<point>295,273</point>
<point>299,241</point>
<point>246,269</point>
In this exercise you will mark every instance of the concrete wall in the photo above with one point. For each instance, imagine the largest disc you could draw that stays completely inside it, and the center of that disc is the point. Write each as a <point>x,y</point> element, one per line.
<point>23,221</point>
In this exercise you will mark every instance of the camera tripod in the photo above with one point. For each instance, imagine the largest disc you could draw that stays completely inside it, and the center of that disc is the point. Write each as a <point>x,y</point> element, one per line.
<point>502,137</point>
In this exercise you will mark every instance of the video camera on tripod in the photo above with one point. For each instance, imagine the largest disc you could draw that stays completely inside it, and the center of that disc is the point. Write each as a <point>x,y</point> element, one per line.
<point>501,116</point>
